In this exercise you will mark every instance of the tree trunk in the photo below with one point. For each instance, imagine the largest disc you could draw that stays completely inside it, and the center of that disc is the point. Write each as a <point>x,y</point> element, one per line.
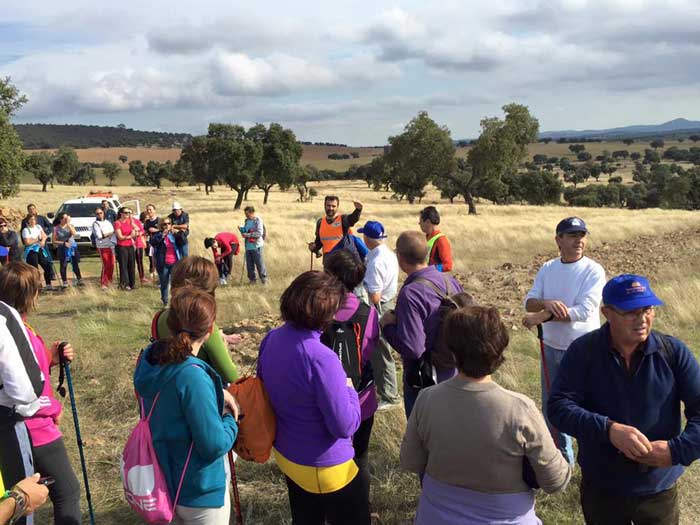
<point>267,192</point>
<point>469,199</point>
<point>245,195</point>
<point>239,198</point>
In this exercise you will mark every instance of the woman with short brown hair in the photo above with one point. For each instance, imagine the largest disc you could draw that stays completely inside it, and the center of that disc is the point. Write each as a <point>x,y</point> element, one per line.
<point>202,274</point>
<point>472,438</point>
<point>316,407</point>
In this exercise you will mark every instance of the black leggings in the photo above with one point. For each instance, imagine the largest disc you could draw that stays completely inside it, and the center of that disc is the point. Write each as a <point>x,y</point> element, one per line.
<point>74,261</point>
<point>37,259</point>
<point>139,262</point>
<point>360,442</point>
<point>52,461</point>
<point>347,506</point>
<point>127,266</point>
<point>15,454</point>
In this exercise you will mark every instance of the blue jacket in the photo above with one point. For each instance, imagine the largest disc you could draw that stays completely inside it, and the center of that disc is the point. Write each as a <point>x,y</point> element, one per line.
<point>592,385</point>
<point>157,240</point>
<point>189,409</point>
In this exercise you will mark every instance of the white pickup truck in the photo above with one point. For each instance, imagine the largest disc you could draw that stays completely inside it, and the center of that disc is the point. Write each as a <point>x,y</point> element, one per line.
<point>82,212</point>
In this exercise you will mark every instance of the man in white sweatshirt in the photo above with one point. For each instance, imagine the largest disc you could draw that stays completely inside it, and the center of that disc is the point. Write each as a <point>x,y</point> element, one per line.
<point>565,299</point>
<point>21,384</point>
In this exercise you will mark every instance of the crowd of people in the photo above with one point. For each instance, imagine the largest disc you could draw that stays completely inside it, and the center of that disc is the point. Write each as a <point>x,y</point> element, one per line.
<point>479,450</point>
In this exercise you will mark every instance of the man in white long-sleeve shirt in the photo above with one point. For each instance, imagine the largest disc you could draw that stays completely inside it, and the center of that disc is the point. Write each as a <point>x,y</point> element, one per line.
<point>21,384</point>
<point>565,299</point>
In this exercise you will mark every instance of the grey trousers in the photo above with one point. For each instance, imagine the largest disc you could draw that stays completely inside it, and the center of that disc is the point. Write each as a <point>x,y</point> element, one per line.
<point>383,365</point>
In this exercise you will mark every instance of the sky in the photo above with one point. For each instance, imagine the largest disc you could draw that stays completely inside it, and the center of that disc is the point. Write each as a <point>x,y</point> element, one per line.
<point>352,72</point>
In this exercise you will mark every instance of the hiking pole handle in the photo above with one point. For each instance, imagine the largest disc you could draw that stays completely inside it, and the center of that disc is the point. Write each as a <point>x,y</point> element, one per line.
<point>69,379</point>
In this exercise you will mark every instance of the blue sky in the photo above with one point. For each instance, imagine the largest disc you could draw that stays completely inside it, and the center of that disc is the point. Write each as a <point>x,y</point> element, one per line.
<point>352,72</point>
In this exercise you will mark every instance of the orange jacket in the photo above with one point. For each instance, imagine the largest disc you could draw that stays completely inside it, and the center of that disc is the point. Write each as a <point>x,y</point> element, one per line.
<point>440,251</point>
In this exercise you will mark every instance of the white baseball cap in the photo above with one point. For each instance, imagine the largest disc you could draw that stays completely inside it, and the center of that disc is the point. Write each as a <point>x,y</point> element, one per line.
<point>177,206</point>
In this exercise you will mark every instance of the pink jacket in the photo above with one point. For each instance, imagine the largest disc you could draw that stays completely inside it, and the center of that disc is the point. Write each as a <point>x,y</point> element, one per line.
<point>42,425</point>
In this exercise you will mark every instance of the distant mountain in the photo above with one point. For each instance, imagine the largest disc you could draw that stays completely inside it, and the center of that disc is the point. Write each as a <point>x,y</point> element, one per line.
<point>45,136</point>
<point>679,125</point>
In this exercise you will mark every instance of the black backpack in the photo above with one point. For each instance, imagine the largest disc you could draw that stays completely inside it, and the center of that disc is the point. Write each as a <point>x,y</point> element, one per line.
<point>345,339</point>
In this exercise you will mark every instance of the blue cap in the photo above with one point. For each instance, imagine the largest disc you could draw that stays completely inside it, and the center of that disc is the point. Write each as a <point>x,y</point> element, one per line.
<point>629,292</point>
<point>373,230</point>
<point>571,225</point>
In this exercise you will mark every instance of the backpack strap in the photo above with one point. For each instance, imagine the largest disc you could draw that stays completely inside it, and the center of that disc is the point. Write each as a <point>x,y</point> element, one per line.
<point>667,351</point>
<point>445,295</point>
<point>359,322</point>
<point>148,419</point>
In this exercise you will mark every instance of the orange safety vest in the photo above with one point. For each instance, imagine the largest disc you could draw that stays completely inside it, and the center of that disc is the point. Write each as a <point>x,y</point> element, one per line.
<point>331,234</point>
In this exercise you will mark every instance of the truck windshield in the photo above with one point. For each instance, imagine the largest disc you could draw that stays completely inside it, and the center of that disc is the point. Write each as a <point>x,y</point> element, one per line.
<point>78,209</point>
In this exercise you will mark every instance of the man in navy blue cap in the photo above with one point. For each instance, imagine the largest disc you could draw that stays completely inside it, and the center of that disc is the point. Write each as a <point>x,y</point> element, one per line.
<point>619,392</point>
<point>565,299</point>
<point>381,282</point>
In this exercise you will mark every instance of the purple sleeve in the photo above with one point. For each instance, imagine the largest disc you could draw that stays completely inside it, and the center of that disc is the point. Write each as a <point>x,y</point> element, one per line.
<point>371,336</point>
<point>337,402</point>
<point>407,336</point>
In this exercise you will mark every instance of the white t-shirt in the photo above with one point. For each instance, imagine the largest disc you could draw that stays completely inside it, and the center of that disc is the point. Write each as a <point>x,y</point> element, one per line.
<point>579,285</point>
<point>382,275</point>
<point>32,232</point>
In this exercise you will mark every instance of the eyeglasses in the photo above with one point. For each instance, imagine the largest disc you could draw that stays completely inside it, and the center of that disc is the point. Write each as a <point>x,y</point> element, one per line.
<point>167,223</point>
<point>633,314</point>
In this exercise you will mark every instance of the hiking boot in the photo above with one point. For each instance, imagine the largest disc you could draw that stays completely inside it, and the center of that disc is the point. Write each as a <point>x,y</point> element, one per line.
<point>49,288</point>
<point>105,287</point>
<point>78,282</point>
<point>222,281</point>
<point>64,284</point>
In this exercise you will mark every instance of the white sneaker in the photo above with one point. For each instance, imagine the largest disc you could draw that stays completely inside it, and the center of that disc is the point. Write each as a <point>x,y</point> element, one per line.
<point>222,281</point>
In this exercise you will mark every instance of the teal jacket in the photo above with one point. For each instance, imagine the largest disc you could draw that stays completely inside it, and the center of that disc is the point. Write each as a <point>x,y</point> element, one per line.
<point>189,409</point>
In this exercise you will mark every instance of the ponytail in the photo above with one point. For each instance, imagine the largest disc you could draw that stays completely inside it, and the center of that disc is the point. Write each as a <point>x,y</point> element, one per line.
<point>191,316</point>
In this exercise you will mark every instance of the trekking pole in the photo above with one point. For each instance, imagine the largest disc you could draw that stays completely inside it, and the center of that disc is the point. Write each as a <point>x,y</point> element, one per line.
<point>65,366</point>
<point>234,487</point>
<point>553,431</point>
<point>311,269</point>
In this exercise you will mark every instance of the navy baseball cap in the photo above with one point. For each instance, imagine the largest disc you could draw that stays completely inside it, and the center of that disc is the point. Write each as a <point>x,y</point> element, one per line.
<point>571,225</point>
<point>373,230</point>
<point>629,292</point>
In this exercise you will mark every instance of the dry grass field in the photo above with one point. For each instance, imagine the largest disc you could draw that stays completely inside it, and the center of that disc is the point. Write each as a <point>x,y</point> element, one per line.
<point>496,256</point>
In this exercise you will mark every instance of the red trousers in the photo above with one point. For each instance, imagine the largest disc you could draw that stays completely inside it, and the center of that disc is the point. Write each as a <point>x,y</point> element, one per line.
<point>107,256</point>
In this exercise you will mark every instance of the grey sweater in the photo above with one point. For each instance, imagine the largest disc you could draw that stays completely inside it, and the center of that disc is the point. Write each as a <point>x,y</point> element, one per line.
<point>474,435</point>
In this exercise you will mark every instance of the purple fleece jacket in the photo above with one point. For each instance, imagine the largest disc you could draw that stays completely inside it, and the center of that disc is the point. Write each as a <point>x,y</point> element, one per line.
<point>417,318</point>
<point>317,413</point>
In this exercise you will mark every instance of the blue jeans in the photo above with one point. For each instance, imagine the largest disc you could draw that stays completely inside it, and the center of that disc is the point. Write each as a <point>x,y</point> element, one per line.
<point>185,249</point>
<point>553,359</point>
<point>164,277</point>
<point>254,259</point>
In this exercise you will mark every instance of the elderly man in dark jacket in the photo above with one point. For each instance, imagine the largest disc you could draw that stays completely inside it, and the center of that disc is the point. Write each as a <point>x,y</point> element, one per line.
<point>619,392</point>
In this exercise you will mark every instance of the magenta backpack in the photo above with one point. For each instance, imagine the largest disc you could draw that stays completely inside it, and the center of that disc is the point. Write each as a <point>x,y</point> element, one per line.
<point>144,483</point>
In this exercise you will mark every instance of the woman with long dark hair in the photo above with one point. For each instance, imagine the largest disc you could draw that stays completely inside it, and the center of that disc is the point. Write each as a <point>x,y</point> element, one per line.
<point>63,239</point>
<point>35,251</point>
<point>194,416</point>
<point>126,232</point>
<point>316,407</point>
